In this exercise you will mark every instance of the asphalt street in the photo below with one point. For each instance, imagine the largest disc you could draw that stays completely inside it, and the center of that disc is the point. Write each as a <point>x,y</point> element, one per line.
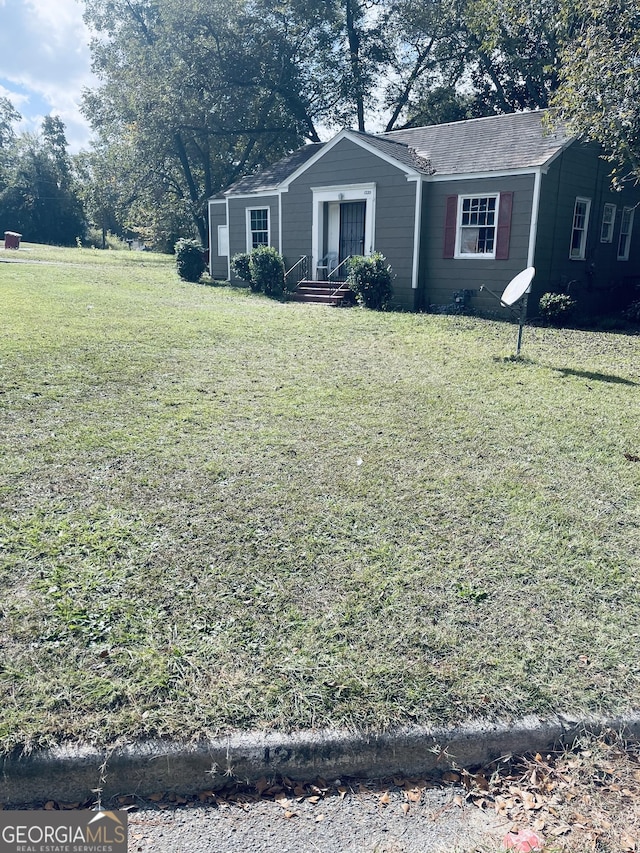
<point>366,819</point>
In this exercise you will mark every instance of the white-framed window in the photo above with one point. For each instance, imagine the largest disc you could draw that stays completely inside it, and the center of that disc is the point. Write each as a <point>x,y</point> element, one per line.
<point>477,224</point>
<point>579,229</point>
<point>257,227</point>
<point>626,226</point>
<point>608,221</point>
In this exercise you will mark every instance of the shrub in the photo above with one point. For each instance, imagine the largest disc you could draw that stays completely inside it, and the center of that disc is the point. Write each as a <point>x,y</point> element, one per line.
<point>93,239</point>
<point>240,266</point>
<point>370,280</point>
<point>632,312</point>
<point>189,259</point>
<point>267,270</point>
<point>556,308</point>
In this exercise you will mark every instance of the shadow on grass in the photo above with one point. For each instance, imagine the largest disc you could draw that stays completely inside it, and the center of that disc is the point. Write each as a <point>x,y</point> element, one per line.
<point>595,377</point>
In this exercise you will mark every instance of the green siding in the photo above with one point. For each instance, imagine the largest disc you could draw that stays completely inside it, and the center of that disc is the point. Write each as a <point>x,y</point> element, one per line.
<point>238,221</point>
<point>345,164</point>
<point>441,277</point>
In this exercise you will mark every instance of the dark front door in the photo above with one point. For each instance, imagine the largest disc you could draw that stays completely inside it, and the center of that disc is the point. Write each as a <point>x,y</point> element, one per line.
<point>351,228</point>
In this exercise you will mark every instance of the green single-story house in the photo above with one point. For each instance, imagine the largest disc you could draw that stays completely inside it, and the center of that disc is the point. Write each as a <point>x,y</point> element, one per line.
<point>452,207</point>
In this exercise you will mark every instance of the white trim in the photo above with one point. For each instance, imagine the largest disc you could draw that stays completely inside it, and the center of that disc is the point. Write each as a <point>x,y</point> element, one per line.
<point>535,210</point>
<point>472,176</point>
<point>280,222</point>
<point>416,236</point>
<point>210,231</point>
<point>257,194</point>
<point>336,189</point>
<point>229,258</point>
<point>465,256</point>
<point>249,232</point>
<point>342,192</point>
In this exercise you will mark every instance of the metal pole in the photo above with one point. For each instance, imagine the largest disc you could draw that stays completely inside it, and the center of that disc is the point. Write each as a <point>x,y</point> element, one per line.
<point>521,320</point>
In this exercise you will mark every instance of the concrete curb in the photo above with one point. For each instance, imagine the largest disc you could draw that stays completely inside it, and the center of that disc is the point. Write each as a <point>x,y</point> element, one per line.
<point>76,773</point>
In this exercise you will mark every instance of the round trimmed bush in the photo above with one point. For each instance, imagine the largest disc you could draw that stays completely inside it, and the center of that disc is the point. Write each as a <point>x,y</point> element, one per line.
<point>189,259</point>
<point>240,266</point>
<point>370,279</point>
<point>267,271</point>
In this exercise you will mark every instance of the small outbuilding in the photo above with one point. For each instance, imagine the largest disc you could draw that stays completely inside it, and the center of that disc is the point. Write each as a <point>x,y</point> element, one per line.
<point>12,240</point>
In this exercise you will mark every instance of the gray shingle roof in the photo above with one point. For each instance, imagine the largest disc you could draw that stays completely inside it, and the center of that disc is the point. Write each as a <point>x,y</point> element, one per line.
<point>492,144</point>
<point>398,150</point>
<point>271,177</point>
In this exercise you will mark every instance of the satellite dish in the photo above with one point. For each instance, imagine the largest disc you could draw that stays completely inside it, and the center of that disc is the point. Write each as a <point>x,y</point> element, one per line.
<point>517,287</point>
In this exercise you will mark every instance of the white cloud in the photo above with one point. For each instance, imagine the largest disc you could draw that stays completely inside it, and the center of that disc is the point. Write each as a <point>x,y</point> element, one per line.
<point>45,61</point>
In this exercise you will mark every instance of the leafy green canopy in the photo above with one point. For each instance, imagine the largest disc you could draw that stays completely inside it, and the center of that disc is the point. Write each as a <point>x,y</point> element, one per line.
<point>599,95</point>
<point>38,193</point>
<point>194,94</point>
<point>198,93</point>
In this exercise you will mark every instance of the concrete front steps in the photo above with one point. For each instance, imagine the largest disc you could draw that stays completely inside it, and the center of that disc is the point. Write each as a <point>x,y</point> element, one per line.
<point>323,292</point>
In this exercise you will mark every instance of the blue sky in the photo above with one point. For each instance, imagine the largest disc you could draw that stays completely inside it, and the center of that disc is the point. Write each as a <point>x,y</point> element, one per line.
<point>45,63</point>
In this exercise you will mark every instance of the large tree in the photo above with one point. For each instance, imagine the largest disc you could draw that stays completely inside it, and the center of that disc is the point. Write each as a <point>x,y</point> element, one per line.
<point>463,58</point>
<point>38,196</point>
<point>200,92</point>
<point>599,94</point>
<point>9,117</point>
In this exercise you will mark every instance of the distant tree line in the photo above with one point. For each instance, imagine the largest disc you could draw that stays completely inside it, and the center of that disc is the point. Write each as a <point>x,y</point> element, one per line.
<point>39,194</point>
<point>195,93</point>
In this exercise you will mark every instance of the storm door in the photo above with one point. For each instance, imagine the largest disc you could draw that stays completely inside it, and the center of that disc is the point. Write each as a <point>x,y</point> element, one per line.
<point>352,216</point>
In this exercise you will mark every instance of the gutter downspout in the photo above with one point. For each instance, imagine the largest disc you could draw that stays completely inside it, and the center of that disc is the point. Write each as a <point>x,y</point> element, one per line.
<point>535,208</point>
<point>228,241</point>
<point>416,235</point>
<point>533,235</point>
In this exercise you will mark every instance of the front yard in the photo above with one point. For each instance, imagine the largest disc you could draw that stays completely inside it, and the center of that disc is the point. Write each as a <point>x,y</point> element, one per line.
<point>220,511</point>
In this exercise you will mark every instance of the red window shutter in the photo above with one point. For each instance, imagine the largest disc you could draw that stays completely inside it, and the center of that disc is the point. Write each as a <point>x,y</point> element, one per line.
<point>450,227</point>
<point>504,226</point>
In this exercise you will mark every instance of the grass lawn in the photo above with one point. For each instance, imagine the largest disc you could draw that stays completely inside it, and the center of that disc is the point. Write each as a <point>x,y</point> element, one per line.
<point>224,512</point>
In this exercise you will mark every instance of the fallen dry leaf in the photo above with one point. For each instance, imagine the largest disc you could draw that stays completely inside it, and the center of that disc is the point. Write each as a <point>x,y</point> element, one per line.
<point>627,842</point>
<point>562,829</point>
<point>385,799</point>
<point>405,808</point>
<point>262,785</point>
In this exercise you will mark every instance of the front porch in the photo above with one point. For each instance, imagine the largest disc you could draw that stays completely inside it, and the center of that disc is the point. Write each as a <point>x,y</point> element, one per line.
<point>328,286</point>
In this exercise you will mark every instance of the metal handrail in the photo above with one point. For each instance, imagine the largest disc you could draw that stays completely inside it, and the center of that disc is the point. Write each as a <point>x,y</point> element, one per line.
<point>343,283</point>
<point>335,269</point>
<point>302,260</point>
